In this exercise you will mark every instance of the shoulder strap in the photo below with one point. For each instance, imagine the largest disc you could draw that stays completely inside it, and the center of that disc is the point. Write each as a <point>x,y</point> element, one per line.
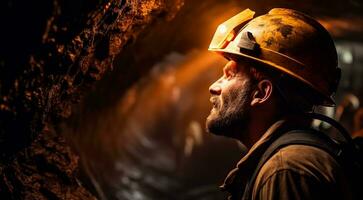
<point>308,137</point>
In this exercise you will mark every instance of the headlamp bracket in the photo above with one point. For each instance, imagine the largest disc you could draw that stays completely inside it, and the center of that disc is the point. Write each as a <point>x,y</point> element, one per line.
<point>248,42</point>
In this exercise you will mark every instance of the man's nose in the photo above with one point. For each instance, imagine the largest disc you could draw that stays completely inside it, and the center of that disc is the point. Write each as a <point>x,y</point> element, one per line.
<point>215,88</point>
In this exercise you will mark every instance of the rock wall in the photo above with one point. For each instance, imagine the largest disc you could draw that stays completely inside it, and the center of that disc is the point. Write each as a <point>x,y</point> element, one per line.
<point>51,53</point>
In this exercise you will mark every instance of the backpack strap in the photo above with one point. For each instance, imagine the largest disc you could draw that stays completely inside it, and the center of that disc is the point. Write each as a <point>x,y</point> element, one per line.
<point>309,137</point>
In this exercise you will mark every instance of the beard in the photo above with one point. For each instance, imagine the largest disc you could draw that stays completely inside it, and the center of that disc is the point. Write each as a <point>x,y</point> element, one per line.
<point>230,115</point>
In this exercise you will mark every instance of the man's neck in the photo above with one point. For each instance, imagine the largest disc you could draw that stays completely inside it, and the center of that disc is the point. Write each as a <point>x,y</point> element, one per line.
<point>257,128</point>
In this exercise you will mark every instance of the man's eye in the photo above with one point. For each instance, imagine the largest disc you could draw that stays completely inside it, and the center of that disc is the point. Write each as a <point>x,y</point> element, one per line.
<point>230,74</point>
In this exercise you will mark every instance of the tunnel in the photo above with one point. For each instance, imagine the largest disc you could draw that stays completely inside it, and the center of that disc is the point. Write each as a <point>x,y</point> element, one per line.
<point>108,99</point>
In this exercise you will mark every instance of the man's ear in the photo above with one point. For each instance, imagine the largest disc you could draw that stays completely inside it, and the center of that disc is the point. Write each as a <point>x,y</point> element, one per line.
<point>262,93</point>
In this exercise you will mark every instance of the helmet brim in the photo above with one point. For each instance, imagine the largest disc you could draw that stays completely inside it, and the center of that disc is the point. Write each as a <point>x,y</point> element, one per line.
<point>232,55</point>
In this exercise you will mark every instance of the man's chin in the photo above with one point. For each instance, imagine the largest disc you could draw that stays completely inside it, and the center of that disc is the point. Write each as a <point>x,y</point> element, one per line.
<point>208,124</point>
<point>219,126</point>
<point>213,126</point>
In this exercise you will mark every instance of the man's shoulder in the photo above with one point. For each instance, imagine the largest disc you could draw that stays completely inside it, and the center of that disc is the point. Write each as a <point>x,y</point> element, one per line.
<point>298,170</point>
<point>303,160</point>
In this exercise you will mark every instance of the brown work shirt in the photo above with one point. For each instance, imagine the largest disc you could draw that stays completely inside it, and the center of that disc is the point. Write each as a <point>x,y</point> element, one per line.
<point>293,172</point>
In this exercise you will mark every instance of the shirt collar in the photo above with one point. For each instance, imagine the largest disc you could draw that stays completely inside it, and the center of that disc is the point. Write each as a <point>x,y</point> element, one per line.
<point>239,175</point>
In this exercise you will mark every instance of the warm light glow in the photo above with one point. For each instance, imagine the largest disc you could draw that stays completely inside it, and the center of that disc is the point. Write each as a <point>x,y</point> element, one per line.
<point>222,29</point>
<point>225,32</point>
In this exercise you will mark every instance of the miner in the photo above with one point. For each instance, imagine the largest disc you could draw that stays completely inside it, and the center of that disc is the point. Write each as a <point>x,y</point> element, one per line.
<point>281,66</point>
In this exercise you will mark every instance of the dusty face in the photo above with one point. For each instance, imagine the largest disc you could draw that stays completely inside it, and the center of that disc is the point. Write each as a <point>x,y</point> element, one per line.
<point>230,96</point>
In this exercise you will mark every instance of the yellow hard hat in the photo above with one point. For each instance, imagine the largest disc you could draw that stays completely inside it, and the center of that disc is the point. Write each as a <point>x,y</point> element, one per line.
<point>286,40</point>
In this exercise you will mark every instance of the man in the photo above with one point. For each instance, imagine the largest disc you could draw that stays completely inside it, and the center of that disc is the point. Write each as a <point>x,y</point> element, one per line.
<point>281,65</point>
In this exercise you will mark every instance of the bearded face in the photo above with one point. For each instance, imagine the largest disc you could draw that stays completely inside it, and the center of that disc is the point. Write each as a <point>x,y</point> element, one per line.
<point>231,96</point>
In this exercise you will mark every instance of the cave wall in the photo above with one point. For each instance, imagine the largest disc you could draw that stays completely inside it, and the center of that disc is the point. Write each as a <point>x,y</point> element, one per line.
<point>51,53</point>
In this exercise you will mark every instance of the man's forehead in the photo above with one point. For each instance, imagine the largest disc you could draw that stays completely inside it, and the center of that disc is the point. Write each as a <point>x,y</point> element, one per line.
<point>237,65</point>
